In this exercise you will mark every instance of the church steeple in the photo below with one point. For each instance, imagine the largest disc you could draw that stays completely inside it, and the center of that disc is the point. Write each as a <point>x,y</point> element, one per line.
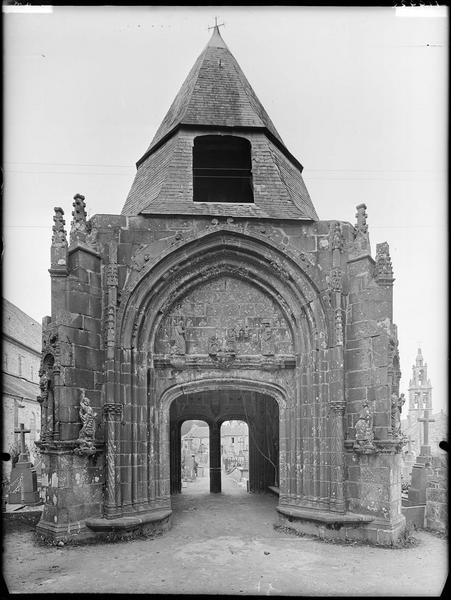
<point>217,99</point>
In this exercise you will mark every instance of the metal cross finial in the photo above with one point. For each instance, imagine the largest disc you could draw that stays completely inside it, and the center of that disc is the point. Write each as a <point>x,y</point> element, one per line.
<point>216,25</point>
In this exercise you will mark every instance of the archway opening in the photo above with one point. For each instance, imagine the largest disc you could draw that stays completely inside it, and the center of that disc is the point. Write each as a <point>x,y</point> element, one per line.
<point>216,407</point>
<point>195,456</point>
<point>234,456</point>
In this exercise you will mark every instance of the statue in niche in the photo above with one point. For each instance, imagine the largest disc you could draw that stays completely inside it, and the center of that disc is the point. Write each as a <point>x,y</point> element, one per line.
<point>87,432</point>
<point>396,409</point>
<point>267,339</point>
<point>364,434</point>
<point>179,346</point>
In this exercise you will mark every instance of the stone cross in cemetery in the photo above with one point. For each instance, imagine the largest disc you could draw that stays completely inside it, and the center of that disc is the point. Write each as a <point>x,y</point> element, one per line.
<point>426,419</point>
<point>417,490</point>
<point>23,449</point>
<point>23,487</point>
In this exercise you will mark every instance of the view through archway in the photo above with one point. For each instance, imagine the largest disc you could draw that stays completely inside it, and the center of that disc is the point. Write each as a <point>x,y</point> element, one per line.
<point>195,456</point>
<point>234,456</point>
<point>203,456</point>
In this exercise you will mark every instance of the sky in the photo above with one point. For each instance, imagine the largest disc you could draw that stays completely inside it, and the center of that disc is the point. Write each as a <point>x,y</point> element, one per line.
<point>358,95</point>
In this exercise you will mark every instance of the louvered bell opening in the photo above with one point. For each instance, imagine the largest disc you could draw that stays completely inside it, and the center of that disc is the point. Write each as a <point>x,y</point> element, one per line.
<point>222,169</point>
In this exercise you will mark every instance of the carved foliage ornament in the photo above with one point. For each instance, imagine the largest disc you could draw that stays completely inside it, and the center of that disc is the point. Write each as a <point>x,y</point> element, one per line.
<point>383,267</point>
<point>337,236</point>
<point>396,404</point>
<point>59,237</point>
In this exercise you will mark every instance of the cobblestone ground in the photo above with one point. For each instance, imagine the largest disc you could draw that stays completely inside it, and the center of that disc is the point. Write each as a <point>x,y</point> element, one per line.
<point>225,544</point>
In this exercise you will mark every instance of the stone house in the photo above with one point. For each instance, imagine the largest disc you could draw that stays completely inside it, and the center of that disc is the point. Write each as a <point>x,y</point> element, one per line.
<point>21,356</point>
<point>196,443</point>
<point>235,443</point>
<point>217,294</point>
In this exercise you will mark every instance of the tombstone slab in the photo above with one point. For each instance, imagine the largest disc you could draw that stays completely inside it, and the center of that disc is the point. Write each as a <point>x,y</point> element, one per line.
<point>23,487</point>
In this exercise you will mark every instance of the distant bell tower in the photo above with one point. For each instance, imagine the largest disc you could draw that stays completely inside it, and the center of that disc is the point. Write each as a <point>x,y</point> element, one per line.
<point>420,396</point>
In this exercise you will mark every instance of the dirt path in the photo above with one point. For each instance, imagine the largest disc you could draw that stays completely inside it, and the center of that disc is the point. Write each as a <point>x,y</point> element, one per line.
<point>225,544</point>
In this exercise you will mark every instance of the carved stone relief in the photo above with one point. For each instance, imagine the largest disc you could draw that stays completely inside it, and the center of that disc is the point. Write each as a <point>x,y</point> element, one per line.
<point>226,314</point>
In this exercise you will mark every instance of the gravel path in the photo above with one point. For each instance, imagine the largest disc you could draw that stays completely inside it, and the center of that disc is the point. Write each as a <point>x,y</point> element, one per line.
<point>226,544</point>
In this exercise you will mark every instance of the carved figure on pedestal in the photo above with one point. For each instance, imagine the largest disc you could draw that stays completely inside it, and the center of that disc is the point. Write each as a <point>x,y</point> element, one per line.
<point>396,408</point>
<point>267,340</point>
<point>230,342</point>
<point>214,345</point>
<point>179,346</point>
<point>87,432</point>
<point>46,397</point>
<point>364,434</point>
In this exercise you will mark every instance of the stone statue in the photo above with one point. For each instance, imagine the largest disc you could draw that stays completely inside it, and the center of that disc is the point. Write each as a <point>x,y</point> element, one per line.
<point>267,340</point>
<point>214,344</point>
<point>230,342</point>
<point>179,338</point>
<point>364,434</point>
<point>87,432</point>
<point>396,408</point>
<point>44,382</point>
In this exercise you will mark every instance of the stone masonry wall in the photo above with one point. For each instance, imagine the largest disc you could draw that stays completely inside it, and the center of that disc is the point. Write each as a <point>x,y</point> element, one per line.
<point>437,495</point>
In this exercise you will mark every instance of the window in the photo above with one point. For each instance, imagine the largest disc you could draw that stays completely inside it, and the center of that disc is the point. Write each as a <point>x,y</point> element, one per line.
<point>222,169</point>
<point>20,364</point>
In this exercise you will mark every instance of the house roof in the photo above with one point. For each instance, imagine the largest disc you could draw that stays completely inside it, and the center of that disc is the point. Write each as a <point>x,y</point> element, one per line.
<point>197,431</point>
<point>216,97</point>
<point>17,386</point>
<point>234,429</point>
<point>21,327</point>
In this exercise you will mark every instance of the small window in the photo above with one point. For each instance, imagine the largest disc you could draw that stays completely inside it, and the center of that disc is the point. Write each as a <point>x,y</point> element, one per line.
<point>222,169</point>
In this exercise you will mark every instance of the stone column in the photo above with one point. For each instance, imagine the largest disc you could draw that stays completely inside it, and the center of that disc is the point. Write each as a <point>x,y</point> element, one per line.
<point>336,456</point>
<point>113,412</point>
<point>215,458</point>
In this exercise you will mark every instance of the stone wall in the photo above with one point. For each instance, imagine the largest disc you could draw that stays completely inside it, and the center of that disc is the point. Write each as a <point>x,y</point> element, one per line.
<point>436,516</point>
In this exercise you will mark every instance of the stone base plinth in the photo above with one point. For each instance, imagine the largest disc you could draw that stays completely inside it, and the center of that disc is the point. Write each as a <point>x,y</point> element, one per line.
<point>341,526</point>
<point>107,530</point>
<point>150,522</point>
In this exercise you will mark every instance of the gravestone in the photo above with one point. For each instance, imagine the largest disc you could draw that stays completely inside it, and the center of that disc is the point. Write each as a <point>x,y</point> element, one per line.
<point>23,487</point>
<point>417,491</point>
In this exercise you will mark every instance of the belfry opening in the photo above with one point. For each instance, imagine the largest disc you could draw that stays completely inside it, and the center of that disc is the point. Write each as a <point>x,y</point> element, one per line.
<point>219,295</point>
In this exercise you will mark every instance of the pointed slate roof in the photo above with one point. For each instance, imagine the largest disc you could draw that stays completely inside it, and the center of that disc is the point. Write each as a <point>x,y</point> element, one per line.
<point>216,96</point>
<point>216,92</point>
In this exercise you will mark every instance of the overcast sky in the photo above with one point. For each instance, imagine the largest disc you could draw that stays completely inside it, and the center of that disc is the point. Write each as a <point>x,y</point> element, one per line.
<point>358,95</point>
